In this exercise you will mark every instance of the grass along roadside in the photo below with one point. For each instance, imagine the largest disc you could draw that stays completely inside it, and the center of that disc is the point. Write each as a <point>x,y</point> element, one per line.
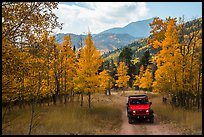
<point>103,118</point>
<point>188,120</point>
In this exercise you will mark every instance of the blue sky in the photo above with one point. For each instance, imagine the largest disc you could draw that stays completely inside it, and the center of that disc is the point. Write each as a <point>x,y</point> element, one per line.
<point>99,16</point>
<point>175,9</point>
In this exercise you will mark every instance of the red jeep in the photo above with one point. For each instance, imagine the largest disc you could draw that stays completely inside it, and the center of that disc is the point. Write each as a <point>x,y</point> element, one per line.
<point>139,107</point>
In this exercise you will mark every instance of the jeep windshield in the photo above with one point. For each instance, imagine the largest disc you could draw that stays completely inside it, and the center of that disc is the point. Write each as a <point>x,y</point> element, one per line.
<point>138,101</point>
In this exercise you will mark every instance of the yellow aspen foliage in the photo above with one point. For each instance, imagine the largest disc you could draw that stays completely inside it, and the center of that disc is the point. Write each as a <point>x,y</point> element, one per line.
<point>105,80</point>
<point>138,77</point>
<point>24,19</point>
<point>47,52</point>
<point>147,79</point>
<point>158,30</point>
<point>86,80</point>
<point>178,61</point>
<point>168,61</point>
<point>141,71</point>
<point>24,37</point>
<point>123,78</point>
<point>15,68</point>
<point>137,81</point>
<point>156,44</point>
<point>68,65</point>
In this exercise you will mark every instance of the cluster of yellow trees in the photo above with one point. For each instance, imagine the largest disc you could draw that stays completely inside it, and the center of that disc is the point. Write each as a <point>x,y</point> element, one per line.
<point>34,66</point>
<point>52,70</point>
<point>24,55</point>
<point>179,61</point>
<point>144,79</point>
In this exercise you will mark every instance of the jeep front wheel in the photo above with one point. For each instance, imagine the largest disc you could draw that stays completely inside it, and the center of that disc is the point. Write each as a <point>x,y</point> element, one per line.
<point>129,120</point>
<point>151,120</point>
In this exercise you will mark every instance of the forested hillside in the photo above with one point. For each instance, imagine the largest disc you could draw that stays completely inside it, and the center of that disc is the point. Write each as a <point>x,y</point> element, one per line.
<point>174,44</point>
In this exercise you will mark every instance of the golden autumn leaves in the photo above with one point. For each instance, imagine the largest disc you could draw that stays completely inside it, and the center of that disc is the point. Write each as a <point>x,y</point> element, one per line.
<point>144,79</point>
<point>123,78</point>
<point>87,67</point>
<point>54,69</point>
<point>178,62</point>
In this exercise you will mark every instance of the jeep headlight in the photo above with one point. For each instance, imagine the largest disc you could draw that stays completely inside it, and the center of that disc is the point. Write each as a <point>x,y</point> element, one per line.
<point>134,111</point>
<point>147,111</point>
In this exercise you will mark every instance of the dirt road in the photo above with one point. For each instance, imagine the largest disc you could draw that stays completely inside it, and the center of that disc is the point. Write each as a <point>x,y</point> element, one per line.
<point>159,127</point>
<point>146,128</point>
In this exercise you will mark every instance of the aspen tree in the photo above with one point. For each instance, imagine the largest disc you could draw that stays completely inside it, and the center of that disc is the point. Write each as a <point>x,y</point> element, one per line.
<point>68,67</point>
<point>86,80</point>
<point>123,78</point>
<point>105,81</point>
<point>146,80</point>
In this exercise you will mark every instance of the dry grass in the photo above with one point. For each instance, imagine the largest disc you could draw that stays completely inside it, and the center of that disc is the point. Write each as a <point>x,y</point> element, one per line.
<point>189,120</point>
<point>103,118</point>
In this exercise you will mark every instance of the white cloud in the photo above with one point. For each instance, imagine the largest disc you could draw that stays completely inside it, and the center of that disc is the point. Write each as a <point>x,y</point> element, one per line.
<point>99,16</point>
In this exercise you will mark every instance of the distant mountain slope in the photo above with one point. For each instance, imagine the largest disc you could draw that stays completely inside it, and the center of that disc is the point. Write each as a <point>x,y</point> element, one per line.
<point>139,29</point>
<point>114,38</point>
<point>109,41</point>
<point>103,42</point>
<point>140,46</point>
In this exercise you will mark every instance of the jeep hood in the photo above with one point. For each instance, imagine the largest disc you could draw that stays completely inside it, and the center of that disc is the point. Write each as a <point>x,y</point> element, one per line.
<point>135,107</point>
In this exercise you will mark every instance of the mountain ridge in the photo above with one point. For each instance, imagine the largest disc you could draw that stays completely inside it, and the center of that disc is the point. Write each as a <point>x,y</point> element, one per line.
<point>136,29</point>
<point>113,38</point>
